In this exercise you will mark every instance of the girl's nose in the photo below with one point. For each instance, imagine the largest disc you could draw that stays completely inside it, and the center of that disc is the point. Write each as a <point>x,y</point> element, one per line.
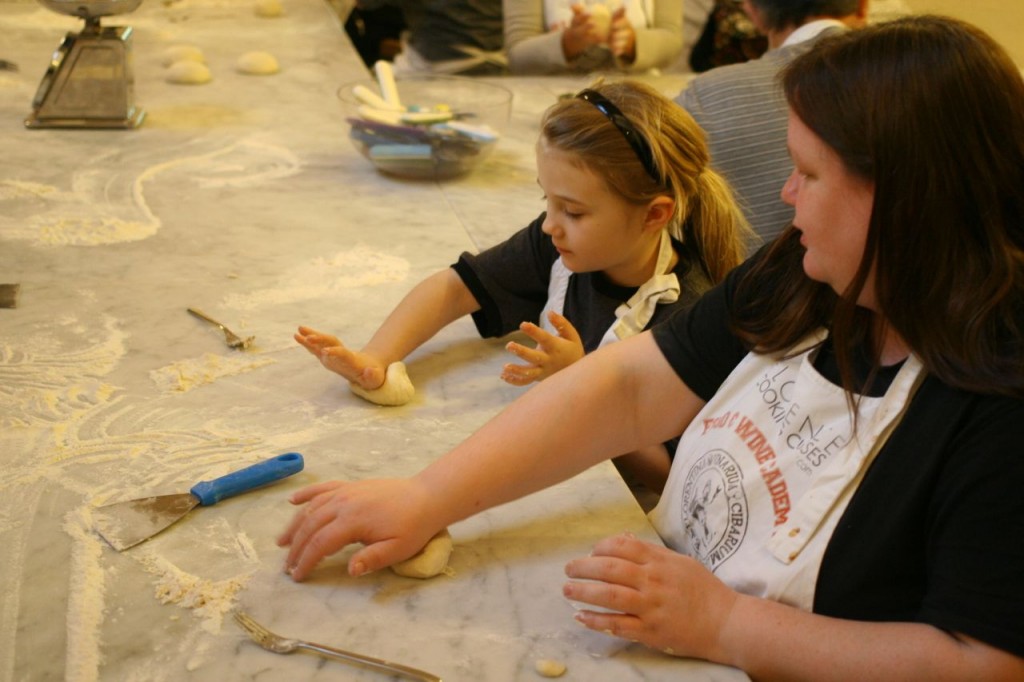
<point>550,225</point>
<point>789,188</point>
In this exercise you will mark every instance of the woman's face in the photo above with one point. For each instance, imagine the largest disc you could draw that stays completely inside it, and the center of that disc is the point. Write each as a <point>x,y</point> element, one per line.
<point>592,227</point>
<point>833,210</point>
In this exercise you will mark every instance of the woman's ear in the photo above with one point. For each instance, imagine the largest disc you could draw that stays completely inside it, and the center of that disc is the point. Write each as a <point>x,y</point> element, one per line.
<point>659,213</point>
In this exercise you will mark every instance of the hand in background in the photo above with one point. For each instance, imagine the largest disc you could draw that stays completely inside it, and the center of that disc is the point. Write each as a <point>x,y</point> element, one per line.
<point>584,30</point>
<point>622,38</point>
<point>551,354</point>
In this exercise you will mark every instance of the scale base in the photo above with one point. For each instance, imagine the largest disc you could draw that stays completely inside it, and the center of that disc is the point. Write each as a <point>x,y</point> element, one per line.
<point>89,82</point>
<point>133,120</point>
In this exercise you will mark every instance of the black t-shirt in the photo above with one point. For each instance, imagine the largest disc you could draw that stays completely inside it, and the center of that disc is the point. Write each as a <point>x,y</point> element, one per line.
<point>510,282</point>
<point>935,532</point>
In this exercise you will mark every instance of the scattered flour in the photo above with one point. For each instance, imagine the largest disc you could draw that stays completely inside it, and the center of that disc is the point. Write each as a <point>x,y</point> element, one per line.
<point>86,590</point>
<point>91,213</point>
<point>46,383</point>
<point>356,268</point>
<point>209,600</point>
<point>185,375</point>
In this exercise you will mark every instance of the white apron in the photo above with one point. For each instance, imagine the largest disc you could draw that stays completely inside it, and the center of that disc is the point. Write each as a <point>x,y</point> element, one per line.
<point>764,472</point>
<point>633,315</point>
<point>558,13</point>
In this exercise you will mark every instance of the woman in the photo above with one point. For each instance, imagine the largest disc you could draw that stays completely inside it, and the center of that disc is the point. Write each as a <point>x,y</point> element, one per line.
<point>845,503</point>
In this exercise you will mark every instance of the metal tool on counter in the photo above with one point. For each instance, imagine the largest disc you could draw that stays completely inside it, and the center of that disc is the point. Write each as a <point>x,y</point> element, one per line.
<point>89,82</point>
<point>232,339</point>
<point>126,524</point>
<point>283,645</point>
<point>9,295</point>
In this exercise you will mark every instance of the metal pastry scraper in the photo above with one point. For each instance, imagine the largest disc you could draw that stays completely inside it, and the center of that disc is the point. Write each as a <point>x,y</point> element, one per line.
<point>126,524</point>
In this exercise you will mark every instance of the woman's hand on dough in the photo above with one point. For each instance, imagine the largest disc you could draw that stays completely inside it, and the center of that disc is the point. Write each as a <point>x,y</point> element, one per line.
<point>622,37</point>
<point>388,517</point>
<point>359,368</point>
<point>663,599</point>
<point>551,354</point>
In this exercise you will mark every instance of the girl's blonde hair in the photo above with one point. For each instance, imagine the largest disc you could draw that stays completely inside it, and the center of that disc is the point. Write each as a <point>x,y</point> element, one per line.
<point>707,218</point>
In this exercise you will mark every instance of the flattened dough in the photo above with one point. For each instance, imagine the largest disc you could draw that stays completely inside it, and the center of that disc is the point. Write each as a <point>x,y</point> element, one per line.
<point>179,53</point>
<point>548,667</point>
<point>430,561</point>
<point>396,390</point>
<point>269,9</point>
<point>186,72</point>
<point>257,64</point>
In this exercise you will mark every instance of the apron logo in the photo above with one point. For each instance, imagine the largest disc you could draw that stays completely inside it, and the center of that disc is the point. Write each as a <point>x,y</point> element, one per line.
<point>714,509</point>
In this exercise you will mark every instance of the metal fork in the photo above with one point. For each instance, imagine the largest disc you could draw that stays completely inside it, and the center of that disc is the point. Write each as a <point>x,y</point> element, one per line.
<point>283,645</point>
<point>232,339</point>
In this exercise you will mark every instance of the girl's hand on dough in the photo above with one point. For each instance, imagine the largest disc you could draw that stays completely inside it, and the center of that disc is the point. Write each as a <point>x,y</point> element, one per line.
<point>388,517</point>
<point>359,368</point>
<point>551,354</point>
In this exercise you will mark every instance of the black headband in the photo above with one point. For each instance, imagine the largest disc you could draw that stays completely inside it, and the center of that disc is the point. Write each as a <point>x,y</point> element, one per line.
<point>628,130</point>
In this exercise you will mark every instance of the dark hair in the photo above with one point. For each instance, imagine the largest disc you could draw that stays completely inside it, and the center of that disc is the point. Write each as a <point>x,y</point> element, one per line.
<point>782,14</point>
<point>931,111</point>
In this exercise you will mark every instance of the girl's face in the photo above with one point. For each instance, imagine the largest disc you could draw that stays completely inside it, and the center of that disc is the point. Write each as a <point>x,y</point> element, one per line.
<point>833,210</point>
<point>593,228</point>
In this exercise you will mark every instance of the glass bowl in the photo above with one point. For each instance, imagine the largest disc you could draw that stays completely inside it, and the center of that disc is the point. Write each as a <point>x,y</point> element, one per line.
<point>448,125</point>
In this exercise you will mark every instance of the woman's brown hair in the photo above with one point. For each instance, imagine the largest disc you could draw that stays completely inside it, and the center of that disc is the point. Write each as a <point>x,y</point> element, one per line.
<point>707,218</point>
<point>931,111</point>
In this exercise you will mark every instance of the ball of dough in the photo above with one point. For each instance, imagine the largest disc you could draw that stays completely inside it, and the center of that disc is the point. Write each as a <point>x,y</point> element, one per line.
<point>257,64</point>
<point>601,18</point>
<point>396,390</point>
<point>186,72</point>
<point>182,53</point>
<point>269,9</point>
<point>430,561</point>
<point>548,667</point>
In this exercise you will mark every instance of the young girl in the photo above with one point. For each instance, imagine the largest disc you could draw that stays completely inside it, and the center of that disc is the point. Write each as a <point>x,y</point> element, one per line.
<point>636,225</point>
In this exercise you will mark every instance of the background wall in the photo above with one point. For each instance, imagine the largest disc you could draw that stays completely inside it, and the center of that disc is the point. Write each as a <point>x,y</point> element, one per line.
<point>1003,19</point>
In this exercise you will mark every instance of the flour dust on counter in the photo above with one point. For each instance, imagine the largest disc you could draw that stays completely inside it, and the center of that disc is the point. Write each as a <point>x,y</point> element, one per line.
<point>185,375</point>
<point>48,377</point>
<point>97,211</point>
<point>321,277</point>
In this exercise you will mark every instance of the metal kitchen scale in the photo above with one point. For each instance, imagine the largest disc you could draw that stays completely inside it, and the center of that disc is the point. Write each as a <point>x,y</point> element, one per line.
<point>89,83</point>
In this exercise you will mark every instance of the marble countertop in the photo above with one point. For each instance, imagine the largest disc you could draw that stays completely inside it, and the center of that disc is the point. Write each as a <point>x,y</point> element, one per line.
<point>244,198</point>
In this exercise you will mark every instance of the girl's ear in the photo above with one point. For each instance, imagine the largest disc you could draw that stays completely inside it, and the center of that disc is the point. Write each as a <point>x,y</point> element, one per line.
<point>659,213</point>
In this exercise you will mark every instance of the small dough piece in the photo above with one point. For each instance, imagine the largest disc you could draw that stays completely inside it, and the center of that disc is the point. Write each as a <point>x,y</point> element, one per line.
<point>396,390</point>
<point>186,72</point>
<point>179,53</point>
<point>548,667</point>
<point>257,64</point>
<point>430,561</point>
<point>269,9</point>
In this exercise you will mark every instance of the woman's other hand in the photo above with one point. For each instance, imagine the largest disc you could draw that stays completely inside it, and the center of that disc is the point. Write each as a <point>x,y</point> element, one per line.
<point>659,597</point>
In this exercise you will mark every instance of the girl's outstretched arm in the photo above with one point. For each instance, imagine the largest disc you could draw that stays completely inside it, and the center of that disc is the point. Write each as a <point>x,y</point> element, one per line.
<point>430,306</point>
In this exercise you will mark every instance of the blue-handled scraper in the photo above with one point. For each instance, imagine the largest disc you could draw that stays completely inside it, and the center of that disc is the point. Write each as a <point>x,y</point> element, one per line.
<point>126,524</point>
